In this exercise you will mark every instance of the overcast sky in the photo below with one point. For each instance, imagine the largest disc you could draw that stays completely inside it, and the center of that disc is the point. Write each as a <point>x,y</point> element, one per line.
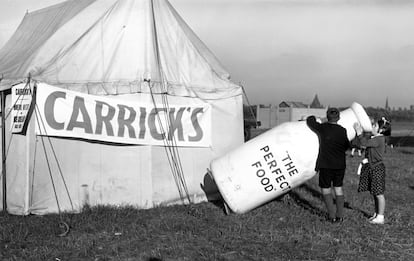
<point>290,50</point>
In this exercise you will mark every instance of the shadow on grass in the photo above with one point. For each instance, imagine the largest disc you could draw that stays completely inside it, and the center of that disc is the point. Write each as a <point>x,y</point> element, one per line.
<point>363,212</point>
<point>312,191</point>
<point>210,189</point>
<point>306,204</point>
<point>411,187</point>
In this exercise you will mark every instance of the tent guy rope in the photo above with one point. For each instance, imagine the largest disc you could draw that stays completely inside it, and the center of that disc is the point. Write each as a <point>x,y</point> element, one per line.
<point>62,223</point>
<point>170,146</point>
<point>3,148</point>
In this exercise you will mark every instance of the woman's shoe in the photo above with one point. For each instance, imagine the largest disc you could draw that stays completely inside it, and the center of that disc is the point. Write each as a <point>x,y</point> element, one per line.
<point>379,219</point>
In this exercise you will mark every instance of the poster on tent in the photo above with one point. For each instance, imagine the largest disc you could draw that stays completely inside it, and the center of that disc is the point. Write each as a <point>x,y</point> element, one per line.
<point>185,122</point>
<point>20,111</point>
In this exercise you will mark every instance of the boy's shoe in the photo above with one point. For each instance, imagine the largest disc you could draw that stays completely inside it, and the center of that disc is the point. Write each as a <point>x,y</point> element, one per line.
<point>339,220</point>
<point>377,220</point>
<point>331,220</point>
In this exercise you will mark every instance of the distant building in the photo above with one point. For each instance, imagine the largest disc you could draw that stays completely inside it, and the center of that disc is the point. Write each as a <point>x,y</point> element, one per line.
<point>387,107</point>
<point>292,104</point>
<point>272,115</point>
<point>315,103</point>
<point>267,115</point>
<point>297,111</point>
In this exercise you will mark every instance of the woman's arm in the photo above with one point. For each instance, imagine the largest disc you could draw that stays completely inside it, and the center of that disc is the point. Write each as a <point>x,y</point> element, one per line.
<point>368,142</point>
<point>365,141</point>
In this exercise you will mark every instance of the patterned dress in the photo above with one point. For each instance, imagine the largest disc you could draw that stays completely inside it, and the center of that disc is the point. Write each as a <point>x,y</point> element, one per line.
<point>372,177</point>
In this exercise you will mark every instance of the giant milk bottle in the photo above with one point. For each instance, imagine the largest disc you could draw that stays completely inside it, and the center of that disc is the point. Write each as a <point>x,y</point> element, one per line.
<point>274,162</point>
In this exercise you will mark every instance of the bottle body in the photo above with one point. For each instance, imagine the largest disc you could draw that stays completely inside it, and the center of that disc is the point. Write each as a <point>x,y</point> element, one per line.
<point>275,162</point>
<point>267,166</point>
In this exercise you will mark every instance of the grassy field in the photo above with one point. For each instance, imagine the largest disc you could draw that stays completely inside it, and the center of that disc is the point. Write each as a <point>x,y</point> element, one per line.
<point>291,227</point>
<point>402,134</point>
<point>402,128</point>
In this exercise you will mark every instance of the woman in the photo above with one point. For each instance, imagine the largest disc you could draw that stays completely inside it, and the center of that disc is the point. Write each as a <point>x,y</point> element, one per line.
<point>372,177</point>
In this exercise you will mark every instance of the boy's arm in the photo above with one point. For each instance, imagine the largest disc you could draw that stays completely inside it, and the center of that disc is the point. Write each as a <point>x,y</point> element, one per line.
<point>312,123</point>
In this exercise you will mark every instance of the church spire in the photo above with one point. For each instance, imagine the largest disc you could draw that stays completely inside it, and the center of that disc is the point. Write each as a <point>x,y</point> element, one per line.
<point>315,103</point>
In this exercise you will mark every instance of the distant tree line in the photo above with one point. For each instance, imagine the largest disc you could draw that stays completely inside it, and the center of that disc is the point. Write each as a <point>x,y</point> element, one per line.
<point>400,115</point>
<point>393,115</point>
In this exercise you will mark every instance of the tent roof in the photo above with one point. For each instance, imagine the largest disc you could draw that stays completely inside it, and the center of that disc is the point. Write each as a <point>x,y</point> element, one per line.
<point>114,47</point>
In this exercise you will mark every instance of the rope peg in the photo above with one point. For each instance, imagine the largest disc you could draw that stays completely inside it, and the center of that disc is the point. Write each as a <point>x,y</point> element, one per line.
<point>65,229</point>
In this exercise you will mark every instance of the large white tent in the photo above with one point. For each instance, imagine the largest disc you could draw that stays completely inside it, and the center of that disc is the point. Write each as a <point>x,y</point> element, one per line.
<point>137,51</point>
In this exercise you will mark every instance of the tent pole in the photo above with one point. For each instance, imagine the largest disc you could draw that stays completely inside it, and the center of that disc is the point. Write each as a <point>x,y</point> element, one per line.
<point>3,148</point>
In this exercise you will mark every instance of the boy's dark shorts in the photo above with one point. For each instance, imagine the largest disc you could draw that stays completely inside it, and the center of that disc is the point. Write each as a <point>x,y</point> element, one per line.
<point>329,177</point>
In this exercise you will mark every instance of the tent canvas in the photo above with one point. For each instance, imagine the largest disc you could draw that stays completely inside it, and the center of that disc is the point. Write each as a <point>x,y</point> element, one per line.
<point>128,50</point>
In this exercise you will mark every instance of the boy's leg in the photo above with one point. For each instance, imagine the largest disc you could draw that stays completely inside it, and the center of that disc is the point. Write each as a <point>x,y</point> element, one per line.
<point>328,199</point>
<point>338,183</point>
<point>340,200</point>
<point>325,183</point>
